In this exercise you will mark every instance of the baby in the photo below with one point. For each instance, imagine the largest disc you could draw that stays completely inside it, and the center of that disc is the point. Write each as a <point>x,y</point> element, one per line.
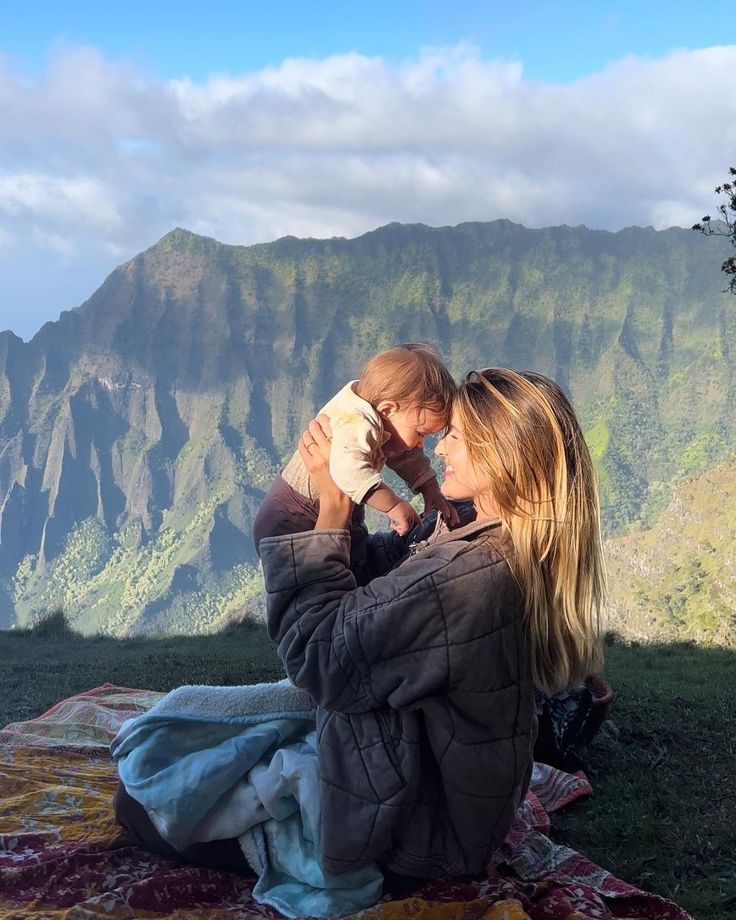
<point>403,394</point>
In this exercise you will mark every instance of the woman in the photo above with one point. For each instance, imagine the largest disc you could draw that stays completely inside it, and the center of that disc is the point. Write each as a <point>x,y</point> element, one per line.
<point>424,679</point>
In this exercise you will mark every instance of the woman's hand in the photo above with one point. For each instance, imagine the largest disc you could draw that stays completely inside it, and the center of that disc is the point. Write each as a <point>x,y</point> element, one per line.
<point>335,508</point>
<point>314,448</point>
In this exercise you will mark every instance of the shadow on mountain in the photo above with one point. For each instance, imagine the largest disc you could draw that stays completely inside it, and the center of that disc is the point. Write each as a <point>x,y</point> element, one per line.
<point>7,610</point>
<point>228,544</point>
<point>185,581</point>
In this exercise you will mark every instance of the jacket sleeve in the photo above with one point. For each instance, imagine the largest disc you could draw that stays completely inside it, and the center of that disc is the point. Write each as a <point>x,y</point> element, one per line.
<point>386,549</point>
<point>413,466</point>
<point>355,649</point>
<point>355,444</point>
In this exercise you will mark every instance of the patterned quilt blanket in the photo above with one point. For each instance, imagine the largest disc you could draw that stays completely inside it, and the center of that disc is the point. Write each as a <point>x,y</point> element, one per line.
<point>62,855</point>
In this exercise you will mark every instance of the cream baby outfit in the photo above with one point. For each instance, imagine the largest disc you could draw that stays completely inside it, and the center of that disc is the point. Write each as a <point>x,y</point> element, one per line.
<point>356,455</point>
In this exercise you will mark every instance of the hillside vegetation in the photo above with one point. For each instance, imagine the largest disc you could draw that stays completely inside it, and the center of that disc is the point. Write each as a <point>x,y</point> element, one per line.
<point>139,432</point>
<point>677,580</point>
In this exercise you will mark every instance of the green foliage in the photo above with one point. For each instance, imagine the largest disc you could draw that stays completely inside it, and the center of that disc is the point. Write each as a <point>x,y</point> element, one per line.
<point>677,579</point>
<point>598,439</point>
<point>87,550</point>
<point>727,211</point>
<point>51,625</point>
<point>109,583</point>
<point>702,453</point>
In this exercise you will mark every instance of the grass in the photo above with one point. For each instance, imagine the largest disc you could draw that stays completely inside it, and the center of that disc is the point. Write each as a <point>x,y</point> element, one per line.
<point>664,782</point>
<point>661,816</point>
<point>42,665</point>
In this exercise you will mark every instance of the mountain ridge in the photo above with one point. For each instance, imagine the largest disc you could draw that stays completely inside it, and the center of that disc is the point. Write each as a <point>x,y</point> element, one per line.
<point>180,234</point>
<point>139,430</point>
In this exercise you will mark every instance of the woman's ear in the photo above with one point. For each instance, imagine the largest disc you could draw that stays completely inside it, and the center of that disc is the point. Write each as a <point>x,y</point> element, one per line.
<point>386,408</point>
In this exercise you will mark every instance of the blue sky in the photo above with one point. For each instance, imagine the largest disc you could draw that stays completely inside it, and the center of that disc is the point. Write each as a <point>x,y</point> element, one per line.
<point>557,41</point>
<point>248,121</point>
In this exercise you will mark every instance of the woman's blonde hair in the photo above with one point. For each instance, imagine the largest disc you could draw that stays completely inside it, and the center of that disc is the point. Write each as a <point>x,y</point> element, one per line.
<point>409,375</point>
<point>521,430</point>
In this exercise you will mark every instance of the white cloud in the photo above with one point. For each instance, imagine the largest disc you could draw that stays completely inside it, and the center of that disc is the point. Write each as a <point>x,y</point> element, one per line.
<point>71,201</point>
<point>98,159</point>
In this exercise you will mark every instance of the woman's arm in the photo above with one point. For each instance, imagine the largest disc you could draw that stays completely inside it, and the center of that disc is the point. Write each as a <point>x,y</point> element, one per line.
<point>388,643</point>
<point>355,649</point>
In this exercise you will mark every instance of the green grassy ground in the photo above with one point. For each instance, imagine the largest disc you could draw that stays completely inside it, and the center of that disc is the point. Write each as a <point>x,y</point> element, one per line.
<point>664,778</point>
<point>41,666</point>
<point>662,813</point>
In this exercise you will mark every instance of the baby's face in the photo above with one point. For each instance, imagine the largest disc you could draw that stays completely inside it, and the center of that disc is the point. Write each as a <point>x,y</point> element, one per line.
<point>409,426</point>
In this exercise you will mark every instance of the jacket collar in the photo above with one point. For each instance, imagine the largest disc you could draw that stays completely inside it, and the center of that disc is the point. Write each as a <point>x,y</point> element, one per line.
<point>440,535</point>
<point>466,531</point>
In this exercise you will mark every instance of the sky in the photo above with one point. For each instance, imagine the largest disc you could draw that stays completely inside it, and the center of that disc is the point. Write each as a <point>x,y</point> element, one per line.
<point>249,121</point>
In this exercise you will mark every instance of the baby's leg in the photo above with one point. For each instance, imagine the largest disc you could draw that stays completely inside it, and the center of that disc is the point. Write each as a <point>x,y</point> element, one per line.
<point>284,511</point>
<point>359,538</point>
<point>215,854</point>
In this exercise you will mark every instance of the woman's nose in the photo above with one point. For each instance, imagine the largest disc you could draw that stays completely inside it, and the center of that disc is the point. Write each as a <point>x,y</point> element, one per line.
<point>440,449</point>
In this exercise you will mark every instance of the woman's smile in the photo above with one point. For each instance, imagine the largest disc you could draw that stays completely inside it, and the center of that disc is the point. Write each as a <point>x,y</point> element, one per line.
<point>459,469</point>
<point>463,478</point>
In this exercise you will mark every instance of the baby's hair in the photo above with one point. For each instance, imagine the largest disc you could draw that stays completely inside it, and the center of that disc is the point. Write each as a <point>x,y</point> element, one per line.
<point>409,375</point>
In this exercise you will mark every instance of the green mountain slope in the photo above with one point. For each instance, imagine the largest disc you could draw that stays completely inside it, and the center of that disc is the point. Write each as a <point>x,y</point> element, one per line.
<point>138,433</point>
<point>677,580</point>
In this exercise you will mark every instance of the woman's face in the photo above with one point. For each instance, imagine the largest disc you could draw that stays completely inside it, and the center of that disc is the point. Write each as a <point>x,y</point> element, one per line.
<point>462,479</point>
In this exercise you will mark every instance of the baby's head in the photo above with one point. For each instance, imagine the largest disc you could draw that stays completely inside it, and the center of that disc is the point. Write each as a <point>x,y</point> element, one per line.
<point>412,391</point>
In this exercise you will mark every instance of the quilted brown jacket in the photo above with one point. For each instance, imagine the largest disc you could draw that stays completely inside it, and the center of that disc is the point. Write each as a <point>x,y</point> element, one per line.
<point>425,704</point>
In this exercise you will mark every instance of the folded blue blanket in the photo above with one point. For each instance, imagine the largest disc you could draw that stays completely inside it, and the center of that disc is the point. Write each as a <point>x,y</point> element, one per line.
<point>211,763</point>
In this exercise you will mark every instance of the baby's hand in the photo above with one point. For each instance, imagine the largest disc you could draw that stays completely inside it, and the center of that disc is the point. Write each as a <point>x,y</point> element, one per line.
<point>433,498</point>
<point>402,518</point>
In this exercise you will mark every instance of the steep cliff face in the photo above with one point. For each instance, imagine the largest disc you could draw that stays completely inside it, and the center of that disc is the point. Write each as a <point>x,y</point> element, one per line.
<point>138,432</point>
